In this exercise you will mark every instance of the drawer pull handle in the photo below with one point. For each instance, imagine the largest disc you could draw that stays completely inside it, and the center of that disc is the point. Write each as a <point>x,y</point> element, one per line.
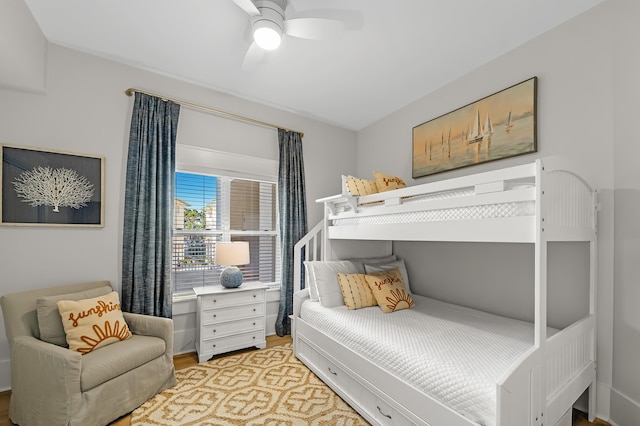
<point>254,323</point>
<point>214,315</point>
<point>214,345</point>
<point>331,371</point>
<point>214,330</point>
<point>254,309</point>
<point>380,411</point>
<point>254,296</point>
<point>254,337</point>
<point>214,300</point>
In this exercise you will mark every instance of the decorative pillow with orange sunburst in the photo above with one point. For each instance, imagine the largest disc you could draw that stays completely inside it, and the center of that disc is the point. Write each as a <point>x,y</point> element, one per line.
<point>385,182</point>
<point>389,290</point>
<point>92,323</point>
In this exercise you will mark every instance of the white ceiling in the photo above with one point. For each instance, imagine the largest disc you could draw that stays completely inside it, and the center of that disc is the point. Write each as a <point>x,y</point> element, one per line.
<point>392,52</point>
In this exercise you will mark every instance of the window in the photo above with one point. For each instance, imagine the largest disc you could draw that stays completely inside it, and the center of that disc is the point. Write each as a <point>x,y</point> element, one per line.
<point>212,208</point>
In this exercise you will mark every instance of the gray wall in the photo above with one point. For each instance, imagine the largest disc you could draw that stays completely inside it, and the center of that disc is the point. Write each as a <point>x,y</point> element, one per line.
<point>587,109</point>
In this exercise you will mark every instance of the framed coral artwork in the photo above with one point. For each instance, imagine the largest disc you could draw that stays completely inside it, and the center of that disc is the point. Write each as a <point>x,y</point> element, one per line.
<point>499,126</point>
<point>50,188</point>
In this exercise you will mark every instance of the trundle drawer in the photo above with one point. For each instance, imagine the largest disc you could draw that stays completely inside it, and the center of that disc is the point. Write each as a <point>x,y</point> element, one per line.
<point>355,392</point>
<point>383,412</point>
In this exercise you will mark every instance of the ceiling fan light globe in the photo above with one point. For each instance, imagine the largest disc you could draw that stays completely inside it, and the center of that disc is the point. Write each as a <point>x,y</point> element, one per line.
<point>267,35</point>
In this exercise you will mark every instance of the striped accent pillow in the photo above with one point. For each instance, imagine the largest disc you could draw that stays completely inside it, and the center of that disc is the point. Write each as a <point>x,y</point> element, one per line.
<point>356,186</point>
<point>356,291</point>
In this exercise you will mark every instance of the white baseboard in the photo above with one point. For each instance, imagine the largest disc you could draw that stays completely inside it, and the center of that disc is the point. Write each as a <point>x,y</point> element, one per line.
<point>184,341</point>
<point>624,410</point>
<point>5,375</point>
<point>271,324</point>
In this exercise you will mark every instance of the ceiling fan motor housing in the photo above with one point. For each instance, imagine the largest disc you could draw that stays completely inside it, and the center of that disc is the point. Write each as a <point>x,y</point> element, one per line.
<point>271,15</point>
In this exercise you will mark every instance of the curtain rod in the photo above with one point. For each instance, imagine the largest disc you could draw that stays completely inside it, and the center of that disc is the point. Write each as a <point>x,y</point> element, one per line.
<point>131,91</point>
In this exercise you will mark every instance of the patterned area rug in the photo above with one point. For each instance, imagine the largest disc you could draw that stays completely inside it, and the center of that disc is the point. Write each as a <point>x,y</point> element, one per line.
<point>264,387</point>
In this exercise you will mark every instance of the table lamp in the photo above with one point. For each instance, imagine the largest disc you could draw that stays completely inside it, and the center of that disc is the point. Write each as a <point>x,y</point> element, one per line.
<point>231,254</point>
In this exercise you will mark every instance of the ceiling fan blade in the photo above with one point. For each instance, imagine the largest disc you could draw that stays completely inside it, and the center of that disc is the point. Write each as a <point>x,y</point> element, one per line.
<point>248,6</point>
<point>253,57</point>
<point>314,28</point>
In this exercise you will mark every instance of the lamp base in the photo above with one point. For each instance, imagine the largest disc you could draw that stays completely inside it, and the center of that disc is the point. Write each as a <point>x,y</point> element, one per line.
<point>231,277</point>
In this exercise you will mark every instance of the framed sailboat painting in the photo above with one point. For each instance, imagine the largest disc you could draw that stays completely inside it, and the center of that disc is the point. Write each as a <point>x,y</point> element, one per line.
<point>499,126</point>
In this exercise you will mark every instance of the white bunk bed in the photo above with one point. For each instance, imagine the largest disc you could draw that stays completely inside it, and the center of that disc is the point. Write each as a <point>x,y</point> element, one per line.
<point>534,203</point>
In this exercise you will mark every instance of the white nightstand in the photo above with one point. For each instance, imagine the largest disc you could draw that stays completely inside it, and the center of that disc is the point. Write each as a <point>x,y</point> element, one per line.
<point>230,318</point>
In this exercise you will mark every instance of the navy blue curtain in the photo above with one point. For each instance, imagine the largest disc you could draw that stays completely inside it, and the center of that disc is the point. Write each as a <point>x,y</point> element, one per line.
<point>148,207</point>
<point>293,217</point>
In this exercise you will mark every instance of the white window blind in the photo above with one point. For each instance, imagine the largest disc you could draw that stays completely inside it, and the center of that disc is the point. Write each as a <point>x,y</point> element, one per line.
<point>212,208</point>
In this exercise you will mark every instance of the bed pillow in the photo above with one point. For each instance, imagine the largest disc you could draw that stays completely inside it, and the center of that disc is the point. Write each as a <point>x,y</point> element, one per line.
<point>90,324</point>
<point>356,291</point>
<point>389,290</point>
<point>355,186</point>
<point>49,321</point>
<point>385,182</point>
<point>398,264</point>
<point>324,275</point>
<point>310,282</point>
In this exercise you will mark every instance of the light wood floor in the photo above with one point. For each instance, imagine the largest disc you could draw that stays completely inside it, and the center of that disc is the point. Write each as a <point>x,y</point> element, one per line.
<point>187,360</point>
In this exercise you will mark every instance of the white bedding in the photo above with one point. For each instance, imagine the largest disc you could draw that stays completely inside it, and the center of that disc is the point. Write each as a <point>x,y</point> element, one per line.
<point>454,354</point>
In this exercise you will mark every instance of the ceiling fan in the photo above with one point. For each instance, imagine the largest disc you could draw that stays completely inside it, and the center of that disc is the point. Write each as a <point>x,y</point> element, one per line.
<point>269,24</point>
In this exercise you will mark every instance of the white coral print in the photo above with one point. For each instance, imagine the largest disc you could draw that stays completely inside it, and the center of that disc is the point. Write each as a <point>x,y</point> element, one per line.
<point>53,187</point>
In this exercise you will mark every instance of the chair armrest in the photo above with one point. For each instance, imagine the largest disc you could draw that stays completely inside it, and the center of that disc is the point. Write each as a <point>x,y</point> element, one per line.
<point>44,375</point>
<point>148,325</point>
<point>299,297</point>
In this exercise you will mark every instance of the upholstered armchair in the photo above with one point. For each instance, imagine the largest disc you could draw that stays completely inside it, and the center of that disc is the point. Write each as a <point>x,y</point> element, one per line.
<point>53,385</point>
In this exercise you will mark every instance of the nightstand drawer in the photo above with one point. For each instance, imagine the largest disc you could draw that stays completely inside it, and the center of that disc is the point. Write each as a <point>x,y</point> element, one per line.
<point>234,327</point>
<point>214,316</point>
<point>230,343</point>
<point>232,298</point>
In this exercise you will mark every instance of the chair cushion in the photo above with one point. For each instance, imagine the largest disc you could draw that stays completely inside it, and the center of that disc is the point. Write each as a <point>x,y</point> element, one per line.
<point>49,321</point>
<point>110,361</point>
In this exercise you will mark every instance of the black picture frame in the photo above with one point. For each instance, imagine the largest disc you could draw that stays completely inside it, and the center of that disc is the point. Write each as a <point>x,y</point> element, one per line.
<point>50,188</point>
<point>501,125</point>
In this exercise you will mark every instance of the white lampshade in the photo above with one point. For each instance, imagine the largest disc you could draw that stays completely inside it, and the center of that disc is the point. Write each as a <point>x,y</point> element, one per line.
<point>233,253</point>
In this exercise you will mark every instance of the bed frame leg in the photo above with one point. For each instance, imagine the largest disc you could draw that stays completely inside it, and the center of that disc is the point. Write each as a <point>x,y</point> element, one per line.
<point>591,415</point>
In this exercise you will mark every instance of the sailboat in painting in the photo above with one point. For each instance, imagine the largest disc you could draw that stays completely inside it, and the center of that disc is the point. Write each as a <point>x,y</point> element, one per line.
<point>475,134</point>
<point>507,124</point>
<point>488,127</point>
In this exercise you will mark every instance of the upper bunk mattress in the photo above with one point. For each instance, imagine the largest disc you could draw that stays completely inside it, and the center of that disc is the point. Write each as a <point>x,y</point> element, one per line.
<point>480,211</point>
<point>452,353</point>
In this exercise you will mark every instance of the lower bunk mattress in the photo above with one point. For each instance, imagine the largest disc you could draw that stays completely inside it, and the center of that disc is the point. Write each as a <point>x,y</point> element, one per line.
<point>454,354</point>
